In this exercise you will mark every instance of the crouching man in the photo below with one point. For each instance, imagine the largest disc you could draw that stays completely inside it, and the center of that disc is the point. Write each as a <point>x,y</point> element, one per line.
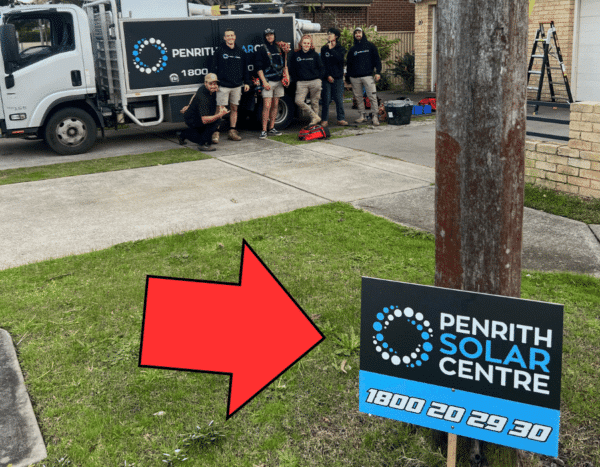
<point>201,115</point>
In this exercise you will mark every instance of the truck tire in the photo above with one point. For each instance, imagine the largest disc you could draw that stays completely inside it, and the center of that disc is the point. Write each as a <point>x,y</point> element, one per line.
<point>71,131</point>
<point>285,112</point>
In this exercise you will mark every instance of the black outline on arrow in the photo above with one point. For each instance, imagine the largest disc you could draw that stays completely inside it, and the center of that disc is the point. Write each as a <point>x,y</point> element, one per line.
<point>238,284</point>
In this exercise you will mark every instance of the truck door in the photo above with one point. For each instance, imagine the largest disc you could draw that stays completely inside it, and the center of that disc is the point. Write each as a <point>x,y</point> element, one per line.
<point>50,67</point>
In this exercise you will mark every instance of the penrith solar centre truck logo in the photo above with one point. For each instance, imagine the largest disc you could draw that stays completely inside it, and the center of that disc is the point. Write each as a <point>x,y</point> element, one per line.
<point>150,55</point>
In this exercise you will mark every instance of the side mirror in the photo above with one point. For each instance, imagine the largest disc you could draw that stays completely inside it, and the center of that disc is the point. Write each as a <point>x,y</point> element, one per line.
<point>10,47</point>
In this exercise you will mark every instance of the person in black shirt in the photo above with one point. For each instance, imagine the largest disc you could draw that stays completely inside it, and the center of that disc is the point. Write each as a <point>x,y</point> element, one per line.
<point>230,63</point>
<point>201,115</point>
<point>332,55</point>
<point>307,70</point>
<point>363,58</point>
<point>270,63</point>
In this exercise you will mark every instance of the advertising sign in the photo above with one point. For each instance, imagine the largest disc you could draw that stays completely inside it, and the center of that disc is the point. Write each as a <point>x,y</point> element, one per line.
<point>483,366</point>
<point>176,52</point>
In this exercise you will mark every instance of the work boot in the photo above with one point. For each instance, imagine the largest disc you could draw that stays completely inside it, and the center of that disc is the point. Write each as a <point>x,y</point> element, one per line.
<point>315,119</point>
<point>206,147</point>
<point>234,136</point>
<point>375,120</point>
<point>361,119</point>
<point>215,137</point>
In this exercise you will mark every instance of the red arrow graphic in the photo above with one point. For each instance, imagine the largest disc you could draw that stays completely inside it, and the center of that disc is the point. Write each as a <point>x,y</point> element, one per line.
<point>253,330</point>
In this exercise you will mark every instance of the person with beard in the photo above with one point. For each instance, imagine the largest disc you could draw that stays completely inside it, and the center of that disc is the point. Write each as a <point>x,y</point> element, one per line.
<point>201,115</point>
<point>230,64</point>
<point>332,55</point>
<point>363,58</point>
<point>270,63</point>
<point>307,70</point>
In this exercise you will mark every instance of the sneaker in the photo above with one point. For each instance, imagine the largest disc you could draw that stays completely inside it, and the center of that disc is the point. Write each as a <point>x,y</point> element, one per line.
<point>215,137</point>
<point>274,132</point>
<point>180,138</point>
<point>342,123</point>
<point>206,147</point>
<point>234,136</point>
<point>263,135</point>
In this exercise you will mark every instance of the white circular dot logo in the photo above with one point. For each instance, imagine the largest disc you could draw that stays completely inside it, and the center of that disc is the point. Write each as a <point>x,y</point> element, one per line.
<point>401,351</point>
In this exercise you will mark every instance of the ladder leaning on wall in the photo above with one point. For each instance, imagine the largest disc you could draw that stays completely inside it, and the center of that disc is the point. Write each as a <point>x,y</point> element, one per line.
<point>549,48</point>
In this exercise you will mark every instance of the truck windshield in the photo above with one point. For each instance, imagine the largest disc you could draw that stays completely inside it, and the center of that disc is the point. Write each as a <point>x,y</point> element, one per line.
<point>41,35</point>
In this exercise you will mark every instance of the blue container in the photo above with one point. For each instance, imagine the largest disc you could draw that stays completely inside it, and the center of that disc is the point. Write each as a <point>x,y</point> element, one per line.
<point>417,110</point>
<point>426,109</point>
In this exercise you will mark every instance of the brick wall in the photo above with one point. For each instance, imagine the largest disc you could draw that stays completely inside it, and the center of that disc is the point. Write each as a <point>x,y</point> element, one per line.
<point>574,167</point>
<point>338,17</point>
<point>387,15</point>
<point>559,11</point>
<point>392,15</point>
<point>562,13</point>
<point>423,44</point>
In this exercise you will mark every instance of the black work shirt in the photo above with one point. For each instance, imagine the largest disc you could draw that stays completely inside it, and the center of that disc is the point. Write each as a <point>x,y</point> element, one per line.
<point>204,104</point>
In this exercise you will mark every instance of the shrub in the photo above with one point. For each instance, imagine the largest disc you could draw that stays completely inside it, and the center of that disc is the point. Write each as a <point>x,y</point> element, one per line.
<point>405,68</point>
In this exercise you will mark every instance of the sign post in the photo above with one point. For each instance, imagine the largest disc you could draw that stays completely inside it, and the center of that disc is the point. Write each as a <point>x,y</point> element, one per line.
<point>483,366</point>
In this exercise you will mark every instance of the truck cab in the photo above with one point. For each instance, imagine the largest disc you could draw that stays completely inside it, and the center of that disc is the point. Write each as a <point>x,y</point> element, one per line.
<point>48,76</point>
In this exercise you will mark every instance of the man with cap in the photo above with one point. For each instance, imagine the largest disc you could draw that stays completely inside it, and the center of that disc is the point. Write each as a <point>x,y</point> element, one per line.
<point>201,115</point>
<point>230,63</point>
<point>363,58</point>
<point>332,55</point>
<point>270,63</point>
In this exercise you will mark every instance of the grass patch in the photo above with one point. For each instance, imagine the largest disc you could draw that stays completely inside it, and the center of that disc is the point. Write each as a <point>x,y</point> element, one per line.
<point>77,322</point>
<point>562,204</point>
<point>108,164</point>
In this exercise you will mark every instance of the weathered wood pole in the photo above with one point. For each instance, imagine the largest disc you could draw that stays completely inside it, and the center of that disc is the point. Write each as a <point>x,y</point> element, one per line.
<point>480,144</point>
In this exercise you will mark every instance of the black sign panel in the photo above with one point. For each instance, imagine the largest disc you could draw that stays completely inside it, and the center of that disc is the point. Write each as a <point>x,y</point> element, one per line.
<point>502,347</point>
<point>176,52</point>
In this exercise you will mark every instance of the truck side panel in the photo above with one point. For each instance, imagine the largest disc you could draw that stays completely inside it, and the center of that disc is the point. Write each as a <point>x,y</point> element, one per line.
<point>172,53</point>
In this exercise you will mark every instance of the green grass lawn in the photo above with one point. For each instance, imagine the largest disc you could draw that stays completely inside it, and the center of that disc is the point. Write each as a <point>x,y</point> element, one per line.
<point>77,323</point>
<point>108,164</point>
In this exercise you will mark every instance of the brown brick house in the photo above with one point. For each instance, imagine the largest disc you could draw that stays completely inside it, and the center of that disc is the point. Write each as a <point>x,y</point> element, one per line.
<point>387,15</point>
<point>578,28</point>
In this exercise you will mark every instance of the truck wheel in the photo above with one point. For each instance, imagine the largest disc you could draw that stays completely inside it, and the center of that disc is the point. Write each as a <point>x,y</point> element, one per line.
<point>71,131</point>
<point>285,112</point>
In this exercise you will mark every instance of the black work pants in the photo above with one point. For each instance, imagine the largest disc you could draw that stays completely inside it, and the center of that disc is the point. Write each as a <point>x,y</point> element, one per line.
<point>201,134</point>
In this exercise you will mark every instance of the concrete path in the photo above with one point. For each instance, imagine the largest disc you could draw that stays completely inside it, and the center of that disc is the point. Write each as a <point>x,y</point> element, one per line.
<point>387,171</point>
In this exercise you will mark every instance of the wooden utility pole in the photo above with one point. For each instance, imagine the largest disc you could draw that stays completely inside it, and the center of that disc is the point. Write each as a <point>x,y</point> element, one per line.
<point>480,144</point>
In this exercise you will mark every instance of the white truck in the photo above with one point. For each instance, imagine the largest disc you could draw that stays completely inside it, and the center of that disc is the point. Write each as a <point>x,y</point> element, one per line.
<point>67,73</point>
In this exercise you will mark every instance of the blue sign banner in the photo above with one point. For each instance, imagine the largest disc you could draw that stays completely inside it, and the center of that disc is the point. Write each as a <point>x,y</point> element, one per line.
<point>473,364</point>
<point>462,413</point>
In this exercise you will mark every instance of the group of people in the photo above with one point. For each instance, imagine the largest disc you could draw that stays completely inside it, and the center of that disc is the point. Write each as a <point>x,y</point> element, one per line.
<point>316,75</point>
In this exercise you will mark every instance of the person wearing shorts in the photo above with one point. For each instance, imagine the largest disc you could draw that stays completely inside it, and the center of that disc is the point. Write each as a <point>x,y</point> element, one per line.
<point>229,62</point>
<point>270,63</point>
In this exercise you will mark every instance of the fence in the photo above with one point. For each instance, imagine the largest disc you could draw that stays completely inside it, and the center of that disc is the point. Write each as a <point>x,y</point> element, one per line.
<point>406,44</point>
